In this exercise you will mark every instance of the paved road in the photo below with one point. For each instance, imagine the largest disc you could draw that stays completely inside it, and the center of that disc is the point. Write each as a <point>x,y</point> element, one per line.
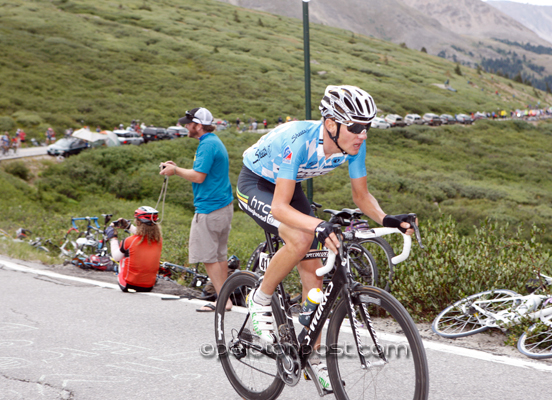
<point>69,338</point>
<point>26,152</point>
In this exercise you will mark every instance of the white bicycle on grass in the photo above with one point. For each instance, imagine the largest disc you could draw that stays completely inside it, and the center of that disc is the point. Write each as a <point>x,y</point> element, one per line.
<point>502,309</point>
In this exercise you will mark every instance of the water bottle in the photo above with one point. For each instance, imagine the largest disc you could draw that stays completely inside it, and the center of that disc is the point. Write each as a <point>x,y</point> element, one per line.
<point>314,298</point>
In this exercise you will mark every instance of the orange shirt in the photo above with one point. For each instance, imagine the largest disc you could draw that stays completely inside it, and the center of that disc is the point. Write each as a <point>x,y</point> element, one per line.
<point>141,262</point>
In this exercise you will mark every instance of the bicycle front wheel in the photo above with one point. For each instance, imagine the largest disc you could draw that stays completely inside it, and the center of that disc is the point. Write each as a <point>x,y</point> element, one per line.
<point>463,318</point>
<point>402,375</point>
<point>252,373</point>
<point>536,342</point>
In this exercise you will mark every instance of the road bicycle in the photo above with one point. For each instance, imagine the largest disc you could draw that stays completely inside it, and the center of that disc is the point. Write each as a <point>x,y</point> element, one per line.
<point>92,241</point>
<point>373,348</point>
<point>368,256</point>
<point>502,309</point>
<point>172,272</point>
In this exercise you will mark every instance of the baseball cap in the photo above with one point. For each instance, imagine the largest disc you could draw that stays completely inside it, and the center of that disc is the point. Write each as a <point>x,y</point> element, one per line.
<point>198,115</point>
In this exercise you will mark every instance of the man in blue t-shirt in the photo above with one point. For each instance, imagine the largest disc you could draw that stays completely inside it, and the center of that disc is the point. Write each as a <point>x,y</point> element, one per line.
<point>212,198</point>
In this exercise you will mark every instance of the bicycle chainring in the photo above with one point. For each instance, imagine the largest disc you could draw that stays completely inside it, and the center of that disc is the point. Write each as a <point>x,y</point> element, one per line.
<point>289,363</point>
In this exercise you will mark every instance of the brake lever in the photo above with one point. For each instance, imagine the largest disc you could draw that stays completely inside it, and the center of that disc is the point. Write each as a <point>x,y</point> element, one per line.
<point>412,221</point>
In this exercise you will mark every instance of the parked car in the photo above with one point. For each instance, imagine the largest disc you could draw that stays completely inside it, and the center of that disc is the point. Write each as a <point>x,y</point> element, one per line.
<point>413,119</point>
<point>479,115</point>
<point>128,137</point>
<point>447,119</point>
<point>177,131</point>
<point>67,146</point>
<point>394,120</point>
<point>152,133</point>
<point>380,123</point>
<point>464,119</point>
<point>432,119</point>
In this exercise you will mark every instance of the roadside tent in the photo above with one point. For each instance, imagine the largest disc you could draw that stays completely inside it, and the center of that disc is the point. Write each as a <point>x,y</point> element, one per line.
<point>89,136</point>
<point>110,138</point>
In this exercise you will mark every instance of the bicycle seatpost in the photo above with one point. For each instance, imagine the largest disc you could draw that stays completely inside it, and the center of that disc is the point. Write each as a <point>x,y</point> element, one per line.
<point>412,221</point>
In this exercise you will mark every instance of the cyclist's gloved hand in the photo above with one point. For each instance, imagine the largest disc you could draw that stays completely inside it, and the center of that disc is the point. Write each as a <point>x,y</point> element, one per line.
<point>324,229</point>
<point>122,223</point>
<point>110,233</point>
<point>394,221</point>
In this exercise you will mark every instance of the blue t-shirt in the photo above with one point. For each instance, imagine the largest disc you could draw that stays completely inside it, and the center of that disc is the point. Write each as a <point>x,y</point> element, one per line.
<point>211,158</point>
<point>295,151</point>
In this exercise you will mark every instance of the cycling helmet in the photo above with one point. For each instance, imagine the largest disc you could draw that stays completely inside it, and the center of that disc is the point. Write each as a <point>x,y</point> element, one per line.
<point>233,262</point>
<point>348,105</point>
<point>147,215</point>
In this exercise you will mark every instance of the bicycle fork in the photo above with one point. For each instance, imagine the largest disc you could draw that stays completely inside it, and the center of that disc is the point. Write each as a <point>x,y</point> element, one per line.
<point>360,300</point>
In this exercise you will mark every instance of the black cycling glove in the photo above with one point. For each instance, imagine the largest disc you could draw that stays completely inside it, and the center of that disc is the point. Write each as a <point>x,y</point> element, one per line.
<point>394,221</point>
<point>324,229</point>
<point>110,233</point>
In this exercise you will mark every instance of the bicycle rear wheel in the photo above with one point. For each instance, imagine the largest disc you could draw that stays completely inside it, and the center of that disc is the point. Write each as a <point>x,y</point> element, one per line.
<point>536,342</point>
<point>252,373</point>
<point>362,264</point>
<point>404,375</point>
<point>462,319</point>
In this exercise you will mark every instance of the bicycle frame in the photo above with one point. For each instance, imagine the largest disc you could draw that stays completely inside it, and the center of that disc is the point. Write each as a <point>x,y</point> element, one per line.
<point>510,316</point>
<point>342,284</point>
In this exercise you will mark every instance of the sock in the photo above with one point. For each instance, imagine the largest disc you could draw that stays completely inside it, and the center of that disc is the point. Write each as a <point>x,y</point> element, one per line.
<point>262,298</point>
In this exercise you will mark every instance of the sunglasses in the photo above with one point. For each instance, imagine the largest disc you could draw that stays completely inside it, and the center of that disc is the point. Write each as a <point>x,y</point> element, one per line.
<point>357,129</point>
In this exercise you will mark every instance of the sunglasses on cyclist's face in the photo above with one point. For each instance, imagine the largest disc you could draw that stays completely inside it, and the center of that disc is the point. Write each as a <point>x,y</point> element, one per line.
<point>357,129</point>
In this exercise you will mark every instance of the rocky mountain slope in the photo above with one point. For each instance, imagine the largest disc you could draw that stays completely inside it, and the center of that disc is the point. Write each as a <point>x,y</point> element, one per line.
<point>459,30</point>
<point>536,18</point>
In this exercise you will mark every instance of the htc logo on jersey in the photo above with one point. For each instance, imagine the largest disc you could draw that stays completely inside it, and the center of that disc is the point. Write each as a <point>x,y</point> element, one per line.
<point>260,206</point>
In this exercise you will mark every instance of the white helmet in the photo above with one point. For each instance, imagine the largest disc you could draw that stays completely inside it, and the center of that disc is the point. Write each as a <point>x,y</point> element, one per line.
<point>348,105</point>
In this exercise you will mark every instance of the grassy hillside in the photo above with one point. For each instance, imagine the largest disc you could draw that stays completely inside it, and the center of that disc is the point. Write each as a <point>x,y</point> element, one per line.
<point>72,62</point>
<point>496,170</point>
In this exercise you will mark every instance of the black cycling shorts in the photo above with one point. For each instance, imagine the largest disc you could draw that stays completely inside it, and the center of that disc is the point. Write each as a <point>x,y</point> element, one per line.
<point>255,196</point>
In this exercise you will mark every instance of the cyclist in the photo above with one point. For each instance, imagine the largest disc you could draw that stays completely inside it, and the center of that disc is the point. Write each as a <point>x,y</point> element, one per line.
<point>139,254</point>
<point>269,190</point>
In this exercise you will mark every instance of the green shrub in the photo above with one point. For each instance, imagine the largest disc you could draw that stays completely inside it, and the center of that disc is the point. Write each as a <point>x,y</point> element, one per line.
<point>19,169</point>
<point>453,266</point>
<point>6,124</point>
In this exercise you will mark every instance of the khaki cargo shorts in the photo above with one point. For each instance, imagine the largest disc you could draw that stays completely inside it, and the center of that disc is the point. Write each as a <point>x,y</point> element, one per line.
<point>209,236</point>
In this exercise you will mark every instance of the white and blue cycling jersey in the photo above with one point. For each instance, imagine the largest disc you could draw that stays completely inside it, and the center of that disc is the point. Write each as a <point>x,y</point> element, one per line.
<point>295,151</point>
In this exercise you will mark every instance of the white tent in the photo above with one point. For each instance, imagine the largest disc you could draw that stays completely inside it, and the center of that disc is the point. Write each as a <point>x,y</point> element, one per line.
<point>110,138</point>
<point>89,136</point>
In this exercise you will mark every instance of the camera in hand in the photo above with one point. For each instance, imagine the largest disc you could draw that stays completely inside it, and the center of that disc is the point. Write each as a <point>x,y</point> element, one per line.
<point>162,167</point>
<point>121,223</point>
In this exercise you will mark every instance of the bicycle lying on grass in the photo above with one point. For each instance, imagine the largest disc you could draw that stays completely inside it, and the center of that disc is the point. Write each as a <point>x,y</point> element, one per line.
<point>502,309</point>
<point>364,359</point>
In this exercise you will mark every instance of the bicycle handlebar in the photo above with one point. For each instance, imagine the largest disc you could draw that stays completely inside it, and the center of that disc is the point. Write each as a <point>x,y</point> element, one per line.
<point>89,219</point>
<point>370,234</point>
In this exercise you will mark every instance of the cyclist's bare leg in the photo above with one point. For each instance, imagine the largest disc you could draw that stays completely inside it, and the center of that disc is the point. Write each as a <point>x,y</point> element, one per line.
<point>218,272</point>
<point>297,245</point>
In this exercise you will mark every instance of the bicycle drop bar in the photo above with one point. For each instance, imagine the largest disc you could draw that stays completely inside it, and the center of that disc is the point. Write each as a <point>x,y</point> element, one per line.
<point>90,219</point>
<point>369,234</point>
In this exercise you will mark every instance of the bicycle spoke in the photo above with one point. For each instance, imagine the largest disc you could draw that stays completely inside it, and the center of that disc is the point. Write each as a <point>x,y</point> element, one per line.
<point>403,372</point>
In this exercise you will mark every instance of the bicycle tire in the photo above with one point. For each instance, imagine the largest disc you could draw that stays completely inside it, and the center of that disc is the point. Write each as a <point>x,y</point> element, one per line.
<point>404,376</point>
<point>536,341</point>
<point>362,265</point>
<point>383,254</point>
<point>460,319</point>
<point>256,378</point>
<point>253,261</point>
